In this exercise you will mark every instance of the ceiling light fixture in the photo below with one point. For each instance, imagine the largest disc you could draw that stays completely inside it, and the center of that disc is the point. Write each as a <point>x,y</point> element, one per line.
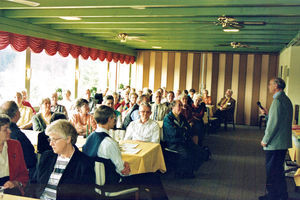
<point>231,30</point>
<point>156,47</point>
<point>25,2</point>
<point>70,18</point>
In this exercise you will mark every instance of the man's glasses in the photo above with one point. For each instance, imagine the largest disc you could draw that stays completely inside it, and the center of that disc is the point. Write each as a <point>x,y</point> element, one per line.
<point>147,112</point>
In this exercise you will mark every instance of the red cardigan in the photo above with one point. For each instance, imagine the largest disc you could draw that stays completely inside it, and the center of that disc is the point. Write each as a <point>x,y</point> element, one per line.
<point>17,167</point>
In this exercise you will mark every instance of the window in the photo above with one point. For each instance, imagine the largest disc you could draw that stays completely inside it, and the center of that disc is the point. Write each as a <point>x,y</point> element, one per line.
<point>50,73</point>
<point>91,74</point>
<point>124,70</point>
<point>12,73</point>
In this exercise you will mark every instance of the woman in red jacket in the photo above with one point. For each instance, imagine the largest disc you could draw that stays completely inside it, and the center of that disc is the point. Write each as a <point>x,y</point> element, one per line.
<point>13,172</point>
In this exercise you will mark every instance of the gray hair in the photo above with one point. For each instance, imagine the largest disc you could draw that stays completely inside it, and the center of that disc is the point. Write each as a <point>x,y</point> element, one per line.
<point>145,104</point>
<point>64,128</point>
<point>197,96</point>
<point>9,108</point>
<point>279,82</point>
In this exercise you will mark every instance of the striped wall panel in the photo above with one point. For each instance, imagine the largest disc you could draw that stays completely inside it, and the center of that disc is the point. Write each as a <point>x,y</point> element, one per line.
<point>246,74</point>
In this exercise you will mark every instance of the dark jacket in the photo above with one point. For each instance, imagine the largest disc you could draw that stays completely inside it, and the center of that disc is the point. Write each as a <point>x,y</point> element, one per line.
<point>38,123</point>
<point>91,149</point>
<point>176,132</point>
<point>128,118</point>
<point>76,183</point>
<point>28,149</point>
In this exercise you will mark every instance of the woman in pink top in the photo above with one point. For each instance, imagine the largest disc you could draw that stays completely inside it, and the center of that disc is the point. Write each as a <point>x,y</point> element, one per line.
<point>83,121</point>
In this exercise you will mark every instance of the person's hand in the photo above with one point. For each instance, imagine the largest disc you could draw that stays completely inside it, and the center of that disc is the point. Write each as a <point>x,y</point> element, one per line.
<point>126,170</point>
<point>263,144</point>
<point>10,184</point>
<point>263,111</point>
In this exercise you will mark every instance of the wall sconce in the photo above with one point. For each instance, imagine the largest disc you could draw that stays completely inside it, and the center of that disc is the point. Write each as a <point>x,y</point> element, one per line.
<point>77,74</point>
<point>28,73</point>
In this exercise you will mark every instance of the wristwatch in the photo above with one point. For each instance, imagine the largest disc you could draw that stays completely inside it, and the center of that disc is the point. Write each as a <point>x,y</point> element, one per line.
<point>20,184</point>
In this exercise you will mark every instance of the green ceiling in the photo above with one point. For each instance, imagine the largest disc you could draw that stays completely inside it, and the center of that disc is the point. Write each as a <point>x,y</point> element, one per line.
<point>170,24</point>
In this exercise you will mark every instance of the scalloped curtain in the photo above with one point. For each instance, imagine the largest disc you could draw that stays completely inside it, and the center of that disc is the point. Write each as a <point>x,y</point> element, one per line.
<point>21,42</point>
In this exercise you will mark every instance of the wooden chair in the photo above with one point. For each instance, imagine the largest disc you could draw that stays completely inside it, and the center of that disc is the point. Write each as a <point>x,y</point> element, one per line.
<point>111,192</point>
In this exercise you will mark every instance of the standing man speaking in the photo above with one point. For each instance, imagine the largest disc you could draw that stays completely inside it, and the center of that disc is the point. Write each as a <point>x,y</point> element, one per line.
<point>276,141</point>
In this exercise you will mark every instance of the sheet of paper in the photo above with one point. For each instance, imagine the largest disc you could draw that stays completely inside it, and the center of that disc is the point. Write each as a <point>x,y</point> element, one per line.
<point>128,145</point>
<point>131,151</point>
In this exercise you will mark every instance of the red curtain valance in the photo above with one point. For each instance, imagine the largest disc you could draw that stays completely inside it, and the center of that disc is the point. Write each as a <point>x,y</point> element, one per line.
<point>21,42</point>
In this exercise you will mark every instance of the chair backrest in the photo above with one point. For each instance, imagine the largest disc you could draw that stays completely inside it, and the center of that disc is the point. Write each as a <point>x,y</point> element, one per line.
<point>100,173</point>
<point>206,117</point>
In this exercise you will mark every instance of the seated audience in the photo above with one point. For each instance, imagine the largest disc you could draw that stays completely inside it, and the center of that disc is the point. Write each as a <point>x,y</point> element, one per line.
<point>143,129</point>
<point>177,94</point>
<point>144,98</point>
<point>126,101</point>
<point>91,100</point>
<point>178,137</point>
<point>198,112</point>
<point>11,109</point>
<point>140,93</point>
<point>55,107</point>
<point>64,173</point>
<point>42,119</point>
<point>83,121</point>
<point>170,99</point>
<point>205,98</point>
<point>190,100</point>
<point>187,112</point>
<point>100,145</point>
<point>26,113</point>
<point>43,143</point>
<point>117,105</point>
<point>159,110</point>
<point>68,103</point>
<point>225,107</point>
<point>133,112</point>
<point>164,98</point>
<point>13,173</point>
<point>25,102</point>
<point>109,101</point>
<point>192,93</point>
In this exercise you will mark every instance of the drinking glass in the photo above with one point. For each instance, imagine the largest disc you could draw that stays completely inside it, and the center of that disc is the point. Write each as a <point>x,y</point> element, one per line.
<point>1,192</point>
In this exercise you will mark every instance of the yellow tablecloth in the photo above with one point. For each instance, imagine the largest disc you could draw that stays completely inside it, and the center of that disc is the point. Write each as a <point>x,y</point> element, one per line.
<point>14,197</point>
<point>295,154</point>
<point>149,159</point>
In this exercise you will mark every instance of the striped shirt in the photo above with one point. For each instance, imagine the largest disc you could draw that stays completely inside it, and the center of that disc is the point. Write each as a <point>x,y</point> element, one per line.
<point>59,167</point>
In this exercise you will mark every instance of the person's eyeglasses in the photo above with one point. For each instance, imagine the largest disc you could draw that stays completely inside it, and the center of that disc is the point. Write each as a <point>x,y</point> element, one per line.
<point>54,140</point>
<point>147,112</point>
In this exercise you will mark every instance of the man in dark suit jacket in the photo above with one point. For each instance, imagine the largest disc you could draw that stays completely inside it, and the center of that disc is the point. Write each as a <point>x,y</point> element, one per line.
<point>276,141</point>
<point>11,109</point>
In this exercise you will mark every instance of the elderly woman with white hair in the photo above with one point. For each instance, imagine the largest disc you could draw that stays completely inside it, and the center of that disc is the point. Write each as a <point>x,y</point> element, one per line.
<point>65,172</point>
<point>198,112</point>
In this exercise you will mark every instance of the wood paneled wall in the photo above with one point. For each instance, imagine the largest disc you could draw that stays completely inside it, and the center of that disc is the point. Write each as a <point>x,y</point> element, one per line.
<point>246,74</point>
